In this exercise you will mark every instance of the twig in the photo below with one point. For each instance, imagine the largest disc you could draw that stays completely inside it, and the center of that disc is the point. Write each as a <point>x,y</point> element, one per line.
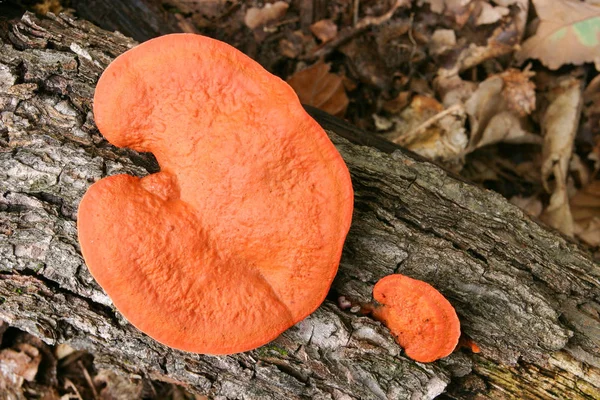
<point>286,21</point>
<point>71,385</point>
<point>348,33</point>
<point>413,50</point>
<point>88,378</point>
<point>405,139</point>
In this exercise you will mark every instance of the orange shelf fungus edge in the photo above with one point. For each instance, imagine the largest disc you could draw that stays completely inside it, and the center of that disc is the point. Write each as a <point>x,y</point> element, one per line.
<point>423,322</point>
<point>239,235</point>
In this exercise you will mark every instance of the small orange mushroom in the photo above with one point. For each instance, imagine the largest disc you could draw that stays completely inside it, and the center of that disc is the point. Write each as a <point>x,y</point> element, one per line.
<point>422,320</point>
<point>240,234</point>
<point>468,343</point>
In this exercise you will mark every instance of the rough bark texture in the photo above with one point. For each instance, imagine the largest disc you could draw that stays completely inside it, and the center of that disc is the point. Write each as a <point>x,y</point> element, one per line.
<point>527,296</point>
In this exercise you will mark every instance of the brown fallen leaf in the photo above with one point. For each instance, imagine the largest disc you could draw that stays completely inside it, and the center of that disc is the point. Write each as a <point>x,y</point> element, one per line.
<point>401,45</point>
<point>295,43</point>
<point>490,14</point>
<point>579,170</point>
<point>366,62</point>
<point>457,9</point>
<point>585,208</point>
<point>441,41</point>
<point>113,386</point>
<point>519,91</point>
<point>358,27</point>
<point>558,214</point>
<point>531,205</point>
<point>63,350</point>
<point>46,6</point>
<point>427,128</point>
<point>324,30</point>
<point>437,6</point>
<point>497,109</point>
<point>20,364</point>
<point>559,124</point>
<point>256,17</point>
<point>482,12</point>
<point>453,89</point>
<point>502,41</point>
<point>520,16</point>
<point>568,33</point>
<point>398,103</point>
<point>317,87</point>
<point>589,130</point>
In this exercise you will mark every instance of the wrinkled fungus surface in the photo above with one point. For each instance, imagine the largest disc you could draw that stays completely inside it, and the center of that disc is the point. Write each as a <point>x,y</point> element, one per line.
<point>422,320</point>
<point>239,235</point>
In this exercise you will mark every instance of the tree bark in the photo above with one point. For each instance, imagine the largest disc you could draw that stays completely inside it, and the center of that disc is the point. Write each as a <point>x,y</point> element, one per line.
<point>527,296</point>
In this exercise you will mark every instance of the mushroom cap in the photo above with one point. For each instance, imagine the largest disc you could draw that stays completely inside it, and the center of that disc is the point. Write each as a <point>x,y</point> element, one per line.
<point>240,234</point>
<point>422,320</point>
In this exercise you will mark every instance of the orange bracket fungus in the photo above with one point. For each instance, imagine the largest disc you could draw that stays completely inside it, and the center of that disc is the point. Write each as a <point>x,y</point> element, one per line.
<point>239,235</point>
<point>422,320</point>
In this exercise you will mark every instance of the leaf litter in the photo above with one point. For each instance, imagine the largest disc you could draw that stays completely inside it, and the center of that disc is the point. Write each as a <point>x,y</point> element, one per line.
<point>31,369</point>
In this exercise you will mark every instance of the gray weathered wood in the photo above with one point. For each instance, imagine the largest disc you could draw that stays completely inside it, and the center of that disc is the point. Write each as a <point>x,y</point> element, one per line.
<point>527,296</point>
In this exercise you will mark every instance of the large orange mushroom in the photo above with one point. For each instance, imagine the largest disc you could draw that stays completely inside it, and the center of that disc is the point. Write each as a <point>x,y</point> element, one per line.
<point>422,320</point>
<point>239,235</point>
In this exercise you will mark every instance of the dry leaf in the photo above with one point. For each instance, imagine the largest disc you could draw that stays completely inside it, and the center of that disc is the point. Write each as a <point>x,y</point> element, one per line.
<point>531,205</point>
<point>399,45</point>
<point>497,109</point>
<point>589,232</point>
<point>317,87</point>
<point>295,43</point>
<point>490,14</point>
<point>503,40</point>
<point>324,30</point>
<point>585,208</point>
<point>256,17</point>
<point>558,213</point>
<point>397,104</point>
<point>452,89</point>
<point>421,86</point>
<point>568,33</point>
<point>366,61</point>
<point>520,17</point>
<point>449,6</point>
<point>559,125</point>
<point>589,130</point>
<point>428,129</point>
<point>20,364</point>
<point>437,6</point>
<point>579,170</point>
<point>45,6</point>
<point>114,386</point>
<point>519,91</point>
<point>63,350</point>
<point>441,41</point>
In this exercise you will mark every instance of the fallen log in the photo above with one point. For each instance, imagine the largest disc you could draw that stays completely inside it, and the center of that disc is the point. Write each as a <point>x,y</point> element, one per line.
<point>528,297</point>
